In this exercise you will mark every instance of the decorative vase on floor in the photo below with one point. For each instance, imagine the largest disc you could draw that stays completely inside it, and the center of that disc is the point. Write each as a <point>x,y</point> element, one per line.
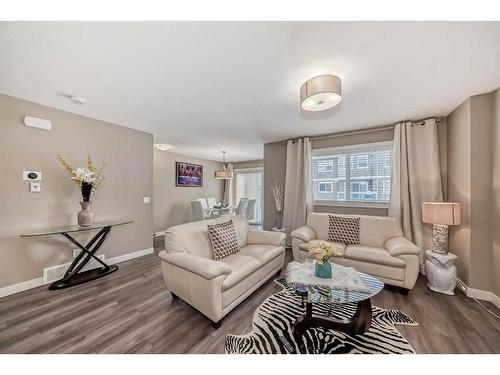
<point>323,270</point>
<point>85,216</point>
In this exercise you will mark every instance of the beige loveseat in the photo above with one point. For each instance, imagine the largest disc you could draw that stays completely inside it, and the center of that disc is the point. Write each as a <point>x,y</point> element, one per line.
<point>217,287</point>
<point>382,251</point>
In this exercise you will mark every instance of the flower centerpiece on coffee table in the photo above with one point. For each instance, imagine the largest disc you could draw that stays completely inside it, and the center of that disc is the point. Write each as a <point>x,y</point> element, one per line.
<point>322,251</point>
<point>89,180</point>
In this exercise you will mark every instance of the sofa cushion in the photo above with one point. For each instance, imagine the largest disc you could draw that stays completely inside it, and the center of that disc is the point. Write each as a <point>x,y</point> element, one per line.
<point>240,223</point>
<point>223,239</point>
<point>343,229</point>
<point>373,230</point>
<point>189,238</point>
<point>373,255</point>
<point>230,295</point>
<point>241,267</point>
<point>262,253</point>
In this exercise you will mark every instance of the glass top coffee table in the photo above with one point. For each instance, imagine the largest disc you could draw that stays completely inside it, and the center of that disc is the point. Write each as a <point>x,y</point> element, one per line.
<point>315,291</point>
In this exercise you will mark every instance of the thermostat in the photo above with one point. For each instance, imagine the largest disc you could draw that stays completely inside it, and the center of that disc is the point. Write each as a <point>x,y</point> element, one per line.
<point>32,176</point>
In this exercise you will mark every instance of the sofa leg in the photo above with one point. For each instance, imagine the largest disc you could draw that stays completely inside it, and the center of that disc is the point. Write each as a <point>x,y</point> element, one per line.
<point>217,325</point>
<point>404,291</point>
<point>278,274</point>
<point>174,296</point>
<point>397,289</point>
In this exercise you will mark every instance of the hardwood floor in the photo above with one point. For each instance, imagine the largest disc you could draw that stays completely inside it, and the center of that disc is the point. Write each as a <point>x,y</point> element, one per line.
<point>131,311</point>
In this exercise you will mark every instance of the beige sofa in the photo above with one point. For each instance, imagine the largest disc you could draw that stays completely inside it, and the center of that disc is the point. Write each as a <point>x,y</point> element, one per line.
<point>382,252</point>
<point>217,287</point>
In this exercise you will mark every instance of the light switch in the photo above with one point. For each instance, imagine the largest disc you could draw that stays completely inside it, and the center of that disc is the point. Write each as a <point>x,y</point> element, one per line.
<point>34,187</point>
<point>146,200</point>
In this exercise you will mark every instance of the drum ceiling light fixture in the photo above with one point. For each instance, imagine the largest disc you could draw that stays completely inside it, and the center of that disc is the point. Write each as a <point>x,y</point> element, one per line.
<point>321,93</point>
<point>224,173</point>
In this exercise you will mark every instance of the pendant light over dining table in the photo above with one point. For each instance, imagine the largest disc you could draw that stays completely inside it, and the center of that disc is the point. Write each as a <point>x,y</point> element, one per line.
<point>321,93</point>
<point>224,173</point>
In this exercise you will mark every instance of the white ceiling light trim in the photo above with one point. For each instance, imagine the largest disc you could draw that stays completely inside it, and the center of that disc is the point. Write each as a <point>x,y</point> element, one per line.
<point>77,99</point>
<point>321,93</point>
<point>162,146</point>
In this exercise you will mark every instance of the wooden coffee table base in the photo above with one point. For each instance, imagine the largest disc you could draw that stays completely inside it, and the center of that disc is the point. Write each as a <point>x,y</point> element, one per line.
<point>358,324</point>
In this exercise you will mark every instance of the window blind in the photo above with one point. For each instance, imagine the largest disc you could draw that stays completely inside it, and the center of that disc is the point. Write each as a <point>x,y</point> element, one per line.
<point>360,173</point>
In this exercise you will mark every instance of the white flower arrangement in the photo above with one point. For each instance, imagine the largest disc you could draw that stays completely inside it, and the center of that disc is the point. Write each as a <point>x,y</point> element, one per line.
<point>84,175</point>
<point>322,251</point>
<point>89,179</point>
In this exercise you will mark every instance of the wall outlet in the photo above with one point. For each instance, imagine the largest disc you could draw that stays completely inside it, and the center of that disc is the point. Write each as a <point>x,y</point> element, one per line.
<point>146,200</point>
<point>35,187</point>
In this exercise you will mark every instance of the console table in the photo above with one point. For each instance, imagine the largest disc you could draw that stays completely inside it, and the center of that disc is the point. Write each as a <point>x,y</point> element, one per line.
<point>73,276</point>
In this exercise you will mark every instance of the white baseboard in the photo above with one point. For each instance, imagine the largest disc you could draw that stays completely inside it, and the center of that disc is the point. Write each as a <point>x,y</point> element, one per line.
<point>20,287</point>
<point>129,256</point>
<point>483,295</point>
<point>30,284</point>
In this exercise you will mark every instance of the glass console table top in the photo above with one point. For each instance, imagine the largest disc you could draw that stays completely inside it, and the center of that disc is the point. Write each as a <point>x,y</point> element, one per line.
<point>76,228</point>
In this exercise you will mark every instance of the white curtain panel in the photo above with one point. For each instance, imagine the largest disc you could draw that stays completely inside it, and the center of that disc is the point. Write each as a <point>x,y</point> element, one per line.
<point>416,178</point>
<point>298,201</point>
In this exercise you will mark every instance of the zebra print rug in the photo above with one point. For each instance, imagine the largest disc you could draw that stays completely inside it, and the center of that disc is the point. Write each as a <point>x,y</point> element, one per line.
<point>272,329</point>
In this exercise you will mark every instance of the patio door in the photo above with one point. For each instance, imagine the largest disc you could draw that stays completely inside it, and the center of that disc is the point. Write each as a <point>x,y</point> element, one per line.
<point>249,184</point>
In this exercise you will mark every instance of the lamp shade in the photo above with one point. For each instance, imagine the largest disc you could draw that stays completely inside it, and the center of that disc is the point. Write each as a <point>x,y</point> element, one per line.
<point>223,175</point>
<point>441,213</point>
<point>321,93</point>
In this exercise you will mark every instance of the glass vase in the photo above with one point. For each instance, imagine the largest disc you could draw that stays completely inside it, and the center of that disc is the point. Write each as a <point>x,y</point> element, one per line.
<point>323,270</point>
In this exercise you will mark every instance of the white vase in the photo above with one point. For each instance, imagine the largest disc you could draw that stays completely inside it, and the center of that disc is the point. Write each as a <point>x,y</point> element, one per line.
<point>85,217</point>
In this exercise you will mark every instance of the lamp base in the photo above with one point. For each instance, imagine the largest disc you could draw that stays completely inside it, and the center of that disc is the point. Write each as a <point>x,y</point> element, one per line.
<point>440,238</point>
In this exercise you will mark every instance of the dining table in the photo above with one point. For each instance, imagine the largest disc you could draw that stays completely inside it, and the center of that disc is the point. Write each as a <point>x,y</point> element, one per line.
<point>214,211</point>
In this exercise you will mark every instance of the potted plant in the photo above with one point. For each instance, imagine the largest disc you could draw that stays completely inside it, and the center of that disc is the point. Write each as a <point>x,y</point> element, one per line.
<point>322,251</point>
<point>89,180</point>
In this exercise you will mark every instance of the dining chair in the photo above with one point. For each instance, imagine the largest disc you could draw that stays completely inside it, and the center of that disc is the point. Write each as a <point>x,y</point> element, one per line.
<point>199,212</point>
<point>242,207</point>
<point>203,202</point>
<point>251,209</point>
<point>211,202</point>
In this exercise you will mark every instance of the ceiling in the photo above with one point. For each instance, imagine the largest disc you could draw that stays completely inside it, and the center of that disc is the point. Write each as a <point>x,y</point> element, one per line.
<point>203,87</point>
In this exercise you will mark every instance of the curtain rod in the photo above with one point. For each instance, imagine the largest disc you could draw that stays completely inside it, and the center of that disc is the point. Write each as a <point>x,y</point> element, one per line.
<point>369,130</point>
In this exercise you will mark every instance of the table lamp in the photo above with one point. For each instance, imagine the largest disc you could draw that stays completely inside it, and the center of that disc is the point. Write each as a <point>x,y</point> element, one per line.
<point>441,214</point>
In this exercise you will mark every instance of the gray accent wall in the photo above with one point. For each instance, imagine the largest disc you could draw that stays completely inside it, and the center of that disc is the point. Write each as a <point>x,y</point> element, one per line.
<point>495,207</point>
<point>128,155</point>
<point>473,142</point>
<point>172,204</point>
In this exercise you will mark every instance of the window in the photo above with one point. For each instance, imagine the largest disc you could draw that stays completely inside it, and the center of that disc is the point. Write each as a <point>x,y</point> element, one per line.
<point>353,174</point>
<point>325,187</point>
<point>325,166</point>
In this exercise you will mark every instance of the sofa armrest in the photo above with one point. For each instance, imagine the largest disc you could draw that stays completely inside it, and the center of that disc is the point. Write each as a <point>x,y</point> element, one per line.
<point>305,234</point>
<point>204,267</point>
<point>397,246</point>
<point>265,238</point>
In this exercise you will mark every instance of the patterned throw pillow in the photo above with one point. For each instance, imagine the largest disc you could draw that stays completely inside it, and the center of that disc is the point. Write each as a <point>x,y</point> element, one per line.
<point>223,239</point>
<point>343,229</point>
